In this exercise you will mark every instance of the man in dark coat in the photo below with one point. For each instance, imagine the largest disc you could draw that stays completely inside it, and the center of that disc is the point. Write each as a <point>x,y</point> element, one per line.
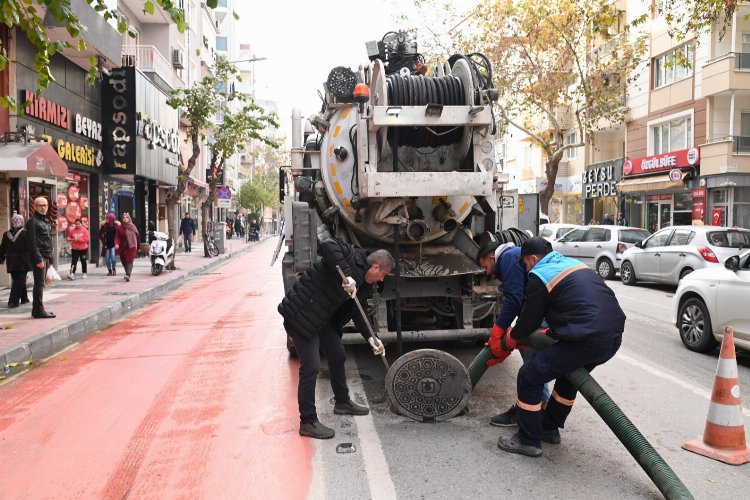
<point>314,310</point>
<point>586,320</point>
<point>39,241</point>
<point>187,230</point>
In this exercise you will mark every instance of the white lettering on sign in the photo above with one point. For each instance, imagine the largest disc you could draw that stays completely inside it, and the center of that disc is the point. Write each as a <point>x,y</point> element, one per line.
<point>88,127</point>
<point>663,162</point>
<point>158,135</point>
<point>599,181</point>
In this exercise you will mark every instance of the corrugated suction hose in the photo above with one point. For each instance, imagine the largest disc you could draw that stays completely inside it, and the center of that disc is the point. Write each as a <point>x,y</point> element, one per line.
<point>647,457</point>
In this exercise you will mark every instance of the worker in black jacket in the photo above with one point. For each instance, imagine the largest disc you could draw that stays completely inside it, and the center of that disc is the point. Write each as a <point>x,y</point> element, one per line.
<point>314,310</point>
<point>586,320</point>
<point>39,242</point>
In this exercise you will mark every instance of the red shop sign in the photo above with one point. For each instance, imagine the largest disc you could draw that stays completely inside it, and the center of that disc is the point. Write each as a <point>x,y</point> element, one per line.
<point>666,161</point>
<point>699,193</point>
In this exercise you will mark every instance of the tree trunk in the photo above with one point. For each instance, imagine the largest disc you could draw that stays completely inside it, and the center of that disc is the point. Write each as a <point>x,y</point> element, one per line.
<point>207,205</point>
<point>550,170</point>
<point>173,197</point>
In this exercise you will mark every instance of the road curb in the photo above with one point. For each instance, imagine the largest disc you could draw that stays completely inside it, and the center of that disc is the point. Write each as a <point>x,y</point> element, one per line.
<point>35,350</point>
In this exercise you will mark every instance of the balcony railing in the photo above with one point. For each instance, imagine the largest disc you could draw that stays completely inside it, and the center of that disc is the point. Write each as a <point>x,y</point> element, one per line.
<point>741,144</point>
<point>148,59</point>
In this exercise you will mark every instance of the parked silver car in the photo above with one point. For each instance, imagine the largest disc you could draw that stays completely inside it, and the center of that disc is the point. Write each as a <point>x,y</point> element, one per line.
<point>599,247</point>
<point>673,252</point>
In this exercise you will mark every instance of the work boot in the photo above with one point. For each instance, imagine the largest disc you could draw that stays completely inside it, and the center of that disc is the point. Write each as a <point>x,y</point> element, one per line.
<point>316,430</point>
<point>350,408</point>
<point>516,444</point>
<point>551,436</point>
<point>507,419</point>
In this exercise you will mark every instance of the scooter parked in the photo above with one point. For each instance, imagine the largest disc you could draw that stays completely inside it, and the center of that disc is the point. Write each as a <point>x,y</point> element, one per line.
<point>161,252</point>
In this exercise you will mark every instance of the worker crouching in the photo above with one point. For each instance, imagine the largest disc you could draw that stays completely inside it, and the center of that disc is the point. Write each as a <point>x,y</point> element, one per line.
<point>586,320</point>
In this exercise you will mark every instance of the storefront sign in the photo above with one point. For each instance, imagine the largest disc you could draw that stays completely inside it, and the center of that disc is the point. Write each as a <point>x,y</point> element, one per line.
<point>118,110</point>
<point>600,179</point>
<point>657,197</point>
<point>158,135</point>
<point>675,175</point>
<point>699,204</point>
<point>88,127</point>
<point>85,155</point>
<point>46,109</point>
<point>659,163</point>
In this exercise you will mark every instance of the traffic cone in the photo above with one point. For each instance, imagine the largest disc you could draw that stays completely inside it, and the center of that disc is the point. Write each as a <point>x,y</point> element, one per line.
<point>724,436</point>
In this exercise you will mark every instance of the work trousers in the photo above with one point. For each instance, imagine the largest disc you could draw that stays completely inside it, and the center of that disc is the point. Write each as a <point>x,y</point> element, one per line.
<point>18,291</point>
<point>328,341</point>
<point>37,294</point>
<point>553,363</point>
<point>78,254</point>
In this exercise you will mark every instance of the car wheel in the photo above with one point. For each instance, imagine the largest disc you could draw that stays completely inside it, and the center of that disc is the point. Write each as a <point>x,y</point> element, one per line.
<point>605,269</point>
<point>694,324</point>
<point>627,274</point>
<point>685,272</point>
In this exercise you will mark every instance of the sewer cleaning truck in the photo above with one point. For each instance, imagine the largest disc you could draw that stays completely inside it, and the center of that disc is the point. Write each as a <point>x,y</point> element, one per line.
<point>401,156</point>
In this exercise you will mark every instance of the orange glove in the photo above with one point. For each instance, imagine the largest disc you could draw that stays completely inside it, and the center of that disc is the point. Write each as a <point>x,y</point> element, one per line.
<point>499,359</point>
<point>508,343</point>
<point>494,343</point>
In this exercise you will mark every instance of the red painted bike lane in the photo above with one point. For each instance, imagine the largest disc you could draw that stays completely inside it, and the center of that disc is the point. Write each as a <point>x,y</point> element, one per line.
<point>192,397</point>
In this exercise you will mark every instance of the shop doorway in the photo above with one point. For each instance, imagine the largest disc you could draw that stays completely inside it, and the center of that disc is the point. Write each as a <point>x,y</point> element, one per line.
<point>659,211</point>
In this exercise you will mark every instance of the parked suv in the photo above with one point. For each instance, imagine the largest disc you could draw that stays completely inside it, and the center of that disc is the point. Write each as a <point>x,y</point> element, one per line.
<point>673,252</point>
<point>599,247</point>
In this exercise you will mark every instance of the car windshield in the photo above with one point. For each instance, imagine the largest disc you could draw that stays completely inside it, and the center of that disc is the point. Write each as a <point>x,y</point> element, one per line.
<point>633,235</point>
<point>729,238</point>
<point>563,230</point>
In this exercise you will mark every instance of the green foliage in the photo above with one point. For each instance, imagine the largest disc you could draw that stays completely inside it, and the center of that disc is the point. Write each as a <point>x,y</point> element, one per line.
<point>28,16</point>
<point>262,191</point>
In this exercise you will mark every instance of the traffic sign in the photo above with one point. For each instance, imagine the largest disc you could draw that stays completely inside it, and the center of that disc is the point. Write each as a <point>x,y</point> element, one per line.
<point>224,193</point>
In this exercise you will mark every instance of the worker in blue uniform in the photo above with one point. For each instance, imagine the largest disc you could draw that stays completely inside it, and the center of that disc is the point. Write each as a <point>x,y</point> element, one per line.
<point>586,320</point>
<point>503,262</point>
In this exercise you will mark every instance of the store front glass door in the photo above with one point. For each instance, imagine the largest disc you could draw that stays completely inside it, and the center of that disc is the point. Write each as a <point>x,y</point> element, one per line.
<point>659,212</point>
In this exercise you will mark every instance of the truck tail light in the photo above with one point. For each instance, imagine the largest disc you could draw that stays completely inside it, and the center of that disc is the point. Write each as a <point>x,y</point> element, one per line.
<point>621,247</point>
<point>707,254</point>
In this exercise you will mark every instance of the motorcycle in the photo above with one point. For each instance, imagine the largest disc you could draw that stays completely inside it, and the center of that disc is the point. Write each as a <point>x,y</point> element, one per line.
<point>161,252</point>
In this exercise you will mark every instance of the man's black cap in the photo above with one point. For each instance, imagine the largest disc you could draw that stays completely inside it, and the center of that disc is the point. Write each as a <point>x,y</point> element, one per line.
<point>535,246</point>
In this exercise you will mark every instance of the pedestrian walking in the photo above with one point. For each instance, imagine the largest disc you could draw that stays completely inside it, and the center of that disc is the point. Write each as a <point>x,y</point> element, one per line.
<point>314,310</point>
<point>239,230</point>
<point>503,262</point>
<point>586,320</point>
<point>78,237</point>
<point>621,220</point>
<point>108,237</point>
<point>187,230</point>
<point>40,250</point>
<point>128,241</point>
<point>15,254</point>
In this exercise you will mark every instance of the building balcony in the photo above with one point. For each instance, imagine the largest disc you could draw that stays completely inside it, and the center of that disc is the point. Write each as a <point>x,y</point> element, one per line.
<point>725,73</point>
<point>150,61</point>
<point>729,154</point>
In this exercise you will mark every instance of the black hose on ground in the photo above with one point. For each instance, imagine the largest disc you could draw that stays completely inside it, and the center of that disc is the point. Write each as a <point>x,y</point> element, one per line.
<point>647,457</point>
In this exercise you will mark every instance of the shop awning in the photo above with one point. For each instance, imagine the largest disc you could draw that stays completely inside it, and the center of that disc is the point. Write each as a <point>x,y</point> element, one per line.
<point>658,182</point>
<point>34,159</point>
<point>198,183</point>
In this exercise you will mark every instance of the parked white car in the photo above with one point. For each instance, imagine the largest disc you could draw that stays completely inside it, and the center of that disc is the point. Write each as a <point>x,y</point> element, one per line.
<point>553,232</point>
<point>708,300</point>
<point>600,246</point>
<point>672,253</point>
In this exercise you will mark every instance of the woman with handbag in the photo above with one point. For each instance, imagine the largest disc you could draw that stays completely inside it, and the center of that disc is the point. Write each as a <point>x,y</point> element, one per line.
<point>14,252</point>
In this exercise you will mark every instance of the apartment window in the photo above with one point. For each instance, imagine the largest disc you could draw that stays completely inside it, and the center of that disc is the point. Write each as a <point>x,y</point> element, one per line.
<point>223,3</point>
<point>672,135</point>
<point>221,43</point>
<point>571,138</point>
<point>673,66</point>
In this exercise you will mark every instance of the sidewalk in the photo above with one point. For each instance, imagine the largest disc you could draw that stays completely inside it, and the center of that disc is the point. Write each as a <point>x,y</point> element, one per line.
<point>87,306</point>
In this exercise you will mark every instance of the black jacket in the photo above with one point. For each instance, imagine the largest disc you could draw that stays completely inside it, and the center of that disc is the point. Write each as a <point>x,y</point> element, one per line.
<point>317,297</point>
<point>39,238</point>
<point>15,253</point>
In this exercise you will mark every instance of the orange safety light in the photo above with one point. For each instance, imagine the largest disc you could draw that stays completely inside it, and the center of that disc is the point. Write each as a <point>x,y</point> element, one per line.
<point>361,93</point>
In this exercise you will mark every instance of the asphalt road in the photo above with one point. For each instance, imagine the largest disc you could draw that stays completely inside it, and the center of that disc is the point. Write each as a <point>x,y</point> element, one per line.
<point>194,397</point>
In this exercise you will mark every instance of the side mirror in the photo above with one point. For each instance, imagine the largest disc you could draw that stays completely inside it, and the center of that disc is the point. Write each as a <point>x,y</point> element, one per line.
<point>639,244</point>
<point>732,263</point>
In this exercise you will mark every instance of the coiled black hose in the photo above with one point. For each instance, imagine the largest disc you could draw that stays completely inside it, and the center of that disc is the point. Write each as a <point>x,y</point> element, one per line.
<point>512,235</point>
<point>647,457</point>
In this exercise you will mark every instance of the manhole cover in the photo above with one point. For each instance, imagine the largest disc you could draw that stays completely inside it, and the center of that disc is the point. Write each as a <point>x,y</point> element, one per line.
<point>428,385</point>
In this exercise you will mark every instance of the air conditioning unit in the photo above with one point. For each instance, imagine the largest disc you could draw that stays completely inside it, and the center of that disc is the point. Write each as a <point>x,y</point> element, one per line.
<point>177,59</point>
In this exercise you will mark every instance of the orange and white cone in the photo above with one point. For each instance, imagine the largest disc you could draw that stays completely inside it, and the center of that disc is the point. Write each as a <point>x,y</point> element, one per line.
<point>724,436</point>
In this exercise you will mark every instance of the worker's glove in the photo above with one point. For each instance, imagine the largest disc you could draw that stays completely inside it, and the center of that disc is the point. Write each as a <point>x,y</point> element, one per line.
<point>378,349</point>
<point>494,343</point>
<point>507,342</point>
<point>498,359</point>
<point>349,286</point>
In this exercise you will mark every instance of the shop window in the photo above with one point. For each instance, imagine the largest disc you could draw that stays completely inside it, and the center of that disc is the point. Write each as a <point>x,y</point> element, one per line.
<point>571,138</point>
<point>673,66</point>
<point>672,135</point>
<point>741,207</point>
